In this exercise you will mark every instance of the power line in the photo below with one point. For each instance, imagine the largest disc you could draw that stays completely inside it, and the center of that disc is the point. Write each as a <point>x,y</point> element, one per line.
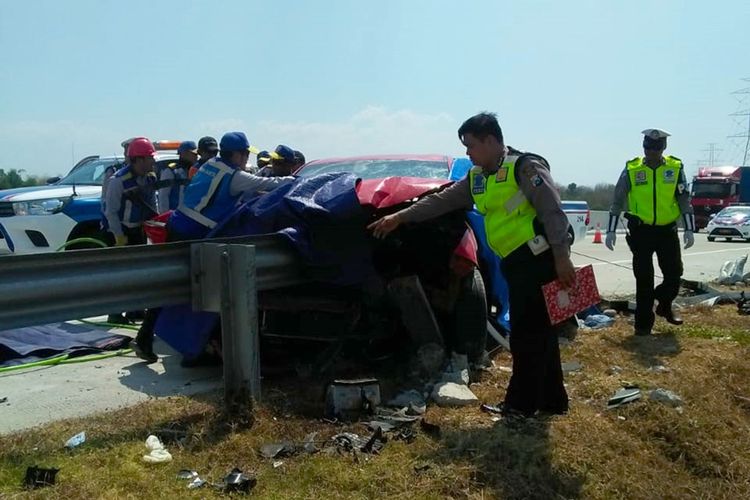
<point>742,93</point>
<point>712,159</point>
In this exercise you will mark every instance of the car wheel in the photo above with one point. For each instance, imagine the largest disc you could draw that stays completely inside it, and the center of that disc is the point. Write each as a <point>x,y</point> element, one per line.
<point>571,235</point>
<point>85,236</point>
<point>711,238</point>
<point>470,317</point>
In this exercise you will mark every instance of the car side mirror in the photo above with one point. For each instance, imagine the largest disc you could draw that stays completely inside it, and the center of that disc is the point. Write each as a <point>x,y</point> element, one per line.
<point>711,216</point>
<point>53,180</point>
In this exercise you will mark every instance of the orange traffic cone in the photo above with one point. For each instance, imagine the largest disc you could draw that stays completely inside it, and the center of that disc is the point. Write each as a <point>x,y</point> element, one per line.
<point>598,234</point>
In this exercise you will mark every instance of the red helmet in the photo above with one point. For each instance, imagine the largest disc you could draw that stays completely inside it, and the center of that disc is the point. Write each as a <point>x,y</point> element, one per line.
<point>140,146</point>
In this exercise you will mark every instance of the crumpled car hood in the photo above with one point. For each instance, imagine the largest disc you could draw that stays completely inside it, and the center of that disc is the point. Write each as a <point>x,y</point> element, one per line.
<point>390,191</point>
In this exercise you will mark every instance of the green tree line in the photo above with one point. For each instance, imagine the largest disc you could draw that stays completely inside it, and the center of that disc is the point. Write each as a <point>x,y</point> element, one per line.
<point>13,178</point>
<point>598,197</point>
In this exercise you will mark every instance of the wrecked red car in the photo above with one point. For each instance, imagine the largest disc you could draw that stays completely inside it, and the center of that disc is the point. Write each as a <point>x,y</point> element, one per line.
<point>427,288</point>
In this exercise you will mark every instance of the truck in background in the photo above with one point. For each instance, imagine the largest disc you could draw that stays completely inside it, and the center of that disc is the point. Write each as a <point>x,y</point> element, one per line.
<point>715,188</point>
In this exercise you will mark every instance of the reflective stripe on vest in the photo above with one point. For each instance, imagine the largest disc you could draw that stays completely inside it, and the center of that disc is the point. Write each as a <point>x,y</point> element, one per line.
<point>652,191</point>
<point>207,199</point>
<point>508,215</point>
<point>131,214</point>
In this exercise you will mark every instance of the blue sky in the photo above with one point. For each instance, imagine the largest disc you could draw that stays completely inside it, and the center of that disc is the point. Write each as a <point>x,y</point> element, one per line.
<point>575,81</point>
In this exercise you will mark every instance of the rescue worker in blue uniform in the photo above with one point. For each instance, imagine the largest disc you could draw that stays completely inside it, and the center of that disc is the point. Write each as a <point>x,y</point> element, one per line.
<point>216,188</point>
<point>212,194</point>
<point>131,196</point>
<point>130,200</point>
<point>655,189</point>
<point>283,162</point>
<point>174,178</point>
<point>208,148</point>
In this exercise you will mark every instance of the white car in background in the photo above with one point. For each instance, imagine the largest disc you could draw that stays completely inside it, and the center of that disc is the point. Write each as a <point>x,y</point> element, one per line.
<point>40,219</point>
<point>579,217</point>
<point>731,222</point>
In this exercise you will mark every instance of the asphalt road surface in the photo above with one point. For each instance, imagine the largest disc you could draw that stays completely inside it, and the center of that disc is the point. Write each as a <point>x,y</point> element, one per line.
<point>613,271</point>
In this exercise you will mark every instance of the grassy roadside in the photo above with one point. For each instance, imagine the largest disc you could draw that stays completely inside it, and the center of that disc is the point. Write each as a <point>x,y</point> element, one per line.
<point>641,450</point>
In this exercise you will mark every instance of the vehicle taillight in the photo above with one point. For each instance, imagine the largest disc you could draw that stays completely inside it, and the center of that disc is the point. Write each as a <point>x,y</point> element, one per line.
<point>588,218</point>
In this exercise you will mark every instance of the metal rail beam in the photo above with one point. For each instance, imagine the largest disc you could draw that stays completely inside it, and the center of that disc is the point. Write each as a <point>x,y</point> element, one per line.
<point>44,288</point>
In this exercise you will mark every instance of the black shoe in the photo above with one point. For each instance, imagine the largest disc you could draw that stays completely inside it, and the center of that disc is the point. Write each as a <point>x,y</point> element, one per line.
<point>642,332</point>
<point>503,410</point>
<point>667,313</point>
<point>144,349</point>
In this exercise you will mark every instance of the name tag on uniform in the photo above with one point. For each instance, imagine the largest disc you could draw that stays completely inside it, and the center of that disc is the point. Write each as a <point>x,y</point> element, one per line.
<point>669,176</point>
<point>501,175</point>
<point>640,178</point>
<point>538,245</point>
<point>478,184</point>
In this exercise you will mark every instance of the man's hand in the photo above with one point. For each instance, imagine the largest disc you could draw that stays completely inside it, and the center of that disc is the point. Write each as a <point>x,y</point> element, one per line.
<point>121,240</point>
<point>610,240</point>
<point>381,227</point>
<point>689,239</point>
<point>566,273</point>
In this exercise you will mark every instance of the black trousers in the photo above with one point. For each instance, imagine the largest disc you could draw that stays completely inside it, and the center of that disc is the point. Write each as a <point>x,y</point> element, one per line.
<point>644,240</point>
<point>537,380</point>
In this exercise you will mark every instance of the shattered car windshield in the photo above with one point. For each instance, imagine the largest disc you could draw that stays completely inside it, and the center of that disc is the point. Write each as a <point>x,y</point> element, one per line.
<point>377,169</point>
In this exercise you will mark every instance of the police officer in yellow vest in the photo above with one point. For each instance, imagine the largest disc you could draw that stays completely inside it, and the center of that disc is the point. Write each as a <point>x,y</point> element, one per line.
<point>527,227</point>
<point>657,197</point>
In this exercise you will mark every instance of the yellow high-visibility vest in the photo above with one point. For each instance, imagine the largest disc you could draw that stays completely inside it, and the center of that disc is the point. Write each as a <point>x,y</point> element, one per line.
<point>652,191</point>
<point>508,215</point>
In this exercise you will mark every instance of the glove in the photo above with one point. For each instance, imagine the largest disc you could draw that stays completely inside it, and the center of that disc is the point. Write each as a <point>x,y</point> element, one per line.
<point>610,240</point>
<point>688,238</point>
<point>121,240</point>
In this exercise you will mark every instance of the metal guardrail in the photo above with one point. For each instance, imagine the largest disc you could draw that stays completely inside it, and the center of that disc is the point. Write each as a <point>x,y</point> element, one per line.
<point>44,288</point>
<point>220,275</point>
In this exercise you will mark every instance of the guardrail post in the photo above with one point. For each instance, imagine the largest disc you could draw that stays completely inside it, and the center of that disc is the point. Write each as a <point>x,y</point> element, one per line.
<point>224,281</point>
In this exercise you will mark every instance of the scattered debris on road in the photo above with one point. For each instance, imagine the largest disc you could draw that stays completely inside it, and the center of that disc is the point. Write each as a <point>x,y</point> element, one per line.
<point>157,453</point>
<point>238,482</point>
<point>666,397</point>
<point>732,271</point>
<point>350,399</point>
<point>571,367</point>
<point>623,396</point>
<point>452,394</point>
<point>38,477</point>
<point>76,440</point>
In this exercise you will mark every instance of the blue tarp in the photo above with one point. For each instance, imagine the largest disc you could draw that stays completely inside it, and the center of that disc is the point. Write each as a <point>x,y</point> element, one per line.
<point>26,345</point>
<point>322,218</point>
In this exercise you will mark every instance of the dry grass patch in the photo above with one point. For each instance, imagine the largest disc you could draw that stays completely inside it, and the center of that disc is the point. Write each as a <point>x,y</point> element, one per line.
<point>641,450</point>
